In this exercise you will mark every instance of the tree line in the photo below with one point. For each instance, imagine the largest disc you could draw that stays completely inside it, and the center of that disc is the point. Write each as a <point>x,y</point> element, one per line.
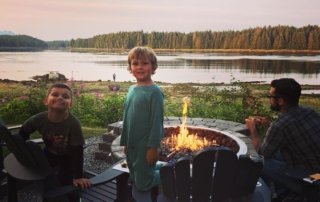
<point>267,37</point>
<point>58,44</point>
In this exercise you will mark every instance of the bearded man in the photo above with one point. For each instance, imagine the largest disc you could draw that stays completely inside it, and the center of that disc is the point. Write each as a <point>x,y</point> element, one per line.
<point>292,142</point>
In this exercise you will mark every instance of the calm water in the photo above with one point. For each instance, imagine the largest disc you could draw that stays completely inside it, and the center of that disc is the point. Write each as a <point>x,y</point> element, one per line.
<point>173,68</point>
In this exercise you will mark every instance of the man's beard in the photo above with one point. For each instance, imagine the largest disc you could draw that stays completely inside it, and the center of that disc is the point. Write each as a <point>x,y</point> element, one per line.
<point>275,107</point>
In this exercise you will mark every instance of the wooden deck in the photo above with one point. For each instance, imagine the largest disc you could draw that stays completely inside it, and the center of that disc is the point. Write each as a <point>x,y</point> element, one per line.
<point>104,193</point>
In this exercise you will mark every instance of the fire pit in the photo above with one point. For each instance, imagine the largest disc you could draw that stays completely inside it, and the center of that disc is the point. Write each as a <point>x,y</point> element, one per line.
<point>187,141</point>
<point>226,130</point>
<point>174,145</point>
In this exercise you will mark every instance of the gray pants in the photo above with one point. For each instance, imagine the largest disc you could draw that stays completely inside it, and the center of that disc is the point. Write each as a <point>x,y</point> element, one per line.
<point>141,196</point>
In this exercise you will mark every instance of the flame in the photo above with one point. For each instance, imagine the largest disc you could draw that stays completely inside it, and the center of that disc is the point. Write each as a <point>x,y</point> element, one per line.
<point>184,140</point>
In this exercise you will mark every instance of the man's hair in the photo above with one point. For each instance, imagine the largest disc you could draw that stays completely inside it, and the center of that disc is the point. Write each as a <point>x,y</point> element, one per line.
<point>142,53</point>
<point>288,89</point>
<point>59,85</point>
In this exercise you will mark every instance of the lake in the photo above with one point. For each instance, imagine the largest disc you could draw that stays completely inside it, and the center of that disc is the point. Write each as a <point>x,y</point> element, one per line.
<point>173,67</point>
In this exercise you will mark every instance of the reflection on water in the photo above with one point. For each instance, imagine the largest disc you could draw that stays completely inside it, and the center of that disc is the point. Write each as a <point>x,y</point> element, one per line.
<point>249,65</point>
<point>174,68</point>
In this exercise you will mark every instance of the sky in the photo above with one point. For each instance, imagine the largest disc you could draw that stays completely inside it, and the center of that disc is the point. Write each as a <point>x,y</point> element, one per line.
<point>50,20</point>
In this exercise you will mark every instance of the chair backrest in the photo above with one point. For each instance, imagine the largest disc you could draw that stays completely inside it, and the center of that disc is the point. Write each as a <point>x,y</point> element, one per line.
<point>27,153</point>
<point>214,174</point>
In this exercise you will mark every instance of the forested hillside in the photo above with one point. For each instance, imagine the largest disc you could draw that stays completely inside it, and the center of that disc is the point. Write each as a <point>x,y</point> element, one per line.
<point>278,37</point>
<point>259,38</point>
<point>58,44</point>
<point>21,42</point>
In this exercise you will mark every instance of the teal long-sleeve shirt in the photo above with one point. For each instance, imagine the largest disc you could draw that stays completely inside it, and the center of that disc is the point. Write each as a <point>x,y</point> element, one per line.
<point>143,117</point>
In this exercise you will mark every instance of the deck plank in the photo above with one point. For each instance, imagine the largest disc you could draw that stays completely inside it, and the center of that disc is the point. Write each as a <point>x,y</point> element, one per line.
<point>104,192</point>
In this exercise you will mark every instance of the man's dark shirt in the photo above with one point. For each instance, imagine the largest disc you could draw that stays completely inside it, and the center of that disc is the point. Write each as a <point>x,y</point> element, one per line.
<point>296,134</point>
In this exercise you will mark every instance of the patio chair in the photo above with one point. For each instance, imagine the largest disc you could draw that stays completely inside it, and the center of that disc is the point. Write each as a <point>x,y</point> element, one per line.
<point>2,173</point>
<point>27,162</point>
<point>213,175</point>
<point>310,189</point>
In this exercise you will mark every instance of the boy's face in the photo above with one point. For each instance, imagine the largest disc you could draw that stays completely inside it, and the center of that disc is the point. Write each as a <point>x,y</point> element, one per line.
<point>141,69</point>
<point>59,98</point>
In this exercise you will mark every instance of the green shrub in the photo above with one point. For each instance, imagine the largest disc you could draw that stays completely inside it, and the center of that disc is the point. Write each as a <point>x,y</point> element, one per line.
<point>94,110</point>
<point>21,108</point>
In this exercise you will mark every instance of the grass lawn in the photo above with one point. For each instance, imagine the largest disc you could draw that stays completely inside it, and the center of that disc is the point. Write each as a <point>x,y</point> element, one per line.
<point>93,132</point>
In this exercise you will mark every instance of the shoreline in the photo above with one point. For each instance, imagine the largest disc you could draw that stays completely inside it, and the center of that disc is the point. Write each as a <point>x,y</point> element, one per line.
<point>165,84</point>
<point>308,90</point>
<point>26,82</point>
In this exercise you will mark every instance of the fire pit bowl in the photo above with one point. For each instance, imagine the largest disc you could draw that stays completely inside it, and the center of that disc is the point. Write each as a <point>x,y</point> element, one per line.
<point>212,137</point>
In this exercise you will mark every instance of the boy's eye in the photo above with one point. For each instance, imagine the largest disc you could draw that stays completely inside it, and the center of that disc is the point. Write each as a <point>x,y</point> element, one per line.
<point>141,62</point>
<point>65,96</point>
<point>55,94</point>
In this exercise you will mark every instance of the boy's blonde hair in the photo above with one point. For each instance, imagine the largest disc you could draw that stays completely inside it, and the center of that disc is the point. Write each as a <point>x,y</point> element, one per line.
<point>143,53</point>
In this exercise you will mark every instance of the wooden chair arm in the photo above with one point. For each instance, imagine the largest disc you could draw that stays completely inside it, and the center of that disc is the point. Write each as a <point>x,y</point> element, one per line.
<point>104,177</point>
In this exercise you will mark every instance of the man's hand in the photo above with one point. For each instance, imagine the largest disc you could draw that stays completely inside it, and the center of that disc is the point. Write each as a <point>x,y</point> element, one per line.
<point>83,183</point>
<point>251,125</point>
<point>253,133</point>
<point>261,120</point>
<point>152,156</point>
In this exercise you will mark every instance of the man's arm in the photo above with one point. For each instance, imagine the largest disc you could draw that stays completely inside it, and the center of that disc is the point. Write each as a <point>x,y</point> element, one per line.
<point>253,133</point>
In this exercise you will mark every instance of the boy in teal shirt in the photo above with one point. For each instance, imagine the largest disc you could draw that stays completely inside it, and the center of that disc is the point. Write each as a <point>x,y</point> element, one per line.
<point>143,123</point>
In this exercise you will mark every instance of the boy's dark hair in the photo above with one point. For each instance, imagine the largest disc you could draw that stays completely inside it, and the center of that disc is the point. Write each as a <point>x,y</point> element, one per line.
<point>59,85</point>
<point>288,89</point>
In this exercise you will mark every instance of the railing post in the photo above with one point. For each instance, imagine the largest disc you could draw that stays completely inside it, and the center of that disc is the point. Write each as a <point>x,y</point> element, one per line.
<point>123,187</point>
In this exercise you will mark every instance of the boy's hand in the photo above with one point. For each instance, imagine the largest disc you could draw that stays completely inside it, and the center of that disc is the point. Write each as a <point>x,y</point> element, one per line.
<point>83,183</point>
<point>152,156</point>
<point>125,150</point>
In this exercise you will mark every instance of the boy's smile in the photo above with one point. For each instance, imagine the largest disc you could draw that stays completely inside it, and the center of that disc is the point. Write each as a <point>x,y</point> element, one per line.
<point>142,70</point>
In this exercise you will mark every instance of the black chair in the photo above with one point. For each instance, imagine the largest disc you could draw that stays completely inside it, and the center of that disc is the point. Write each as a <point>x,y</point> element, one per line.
<point>310,190</point>
<point>2,173</point>
<point>214,175</point>
<point>27,162</point>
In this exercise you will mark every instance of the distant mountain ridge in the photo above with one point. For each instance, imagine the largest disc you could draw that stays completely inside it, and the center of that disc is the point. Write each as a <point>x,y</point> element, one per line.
<point>21,43</point>
<point>5,32</point>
